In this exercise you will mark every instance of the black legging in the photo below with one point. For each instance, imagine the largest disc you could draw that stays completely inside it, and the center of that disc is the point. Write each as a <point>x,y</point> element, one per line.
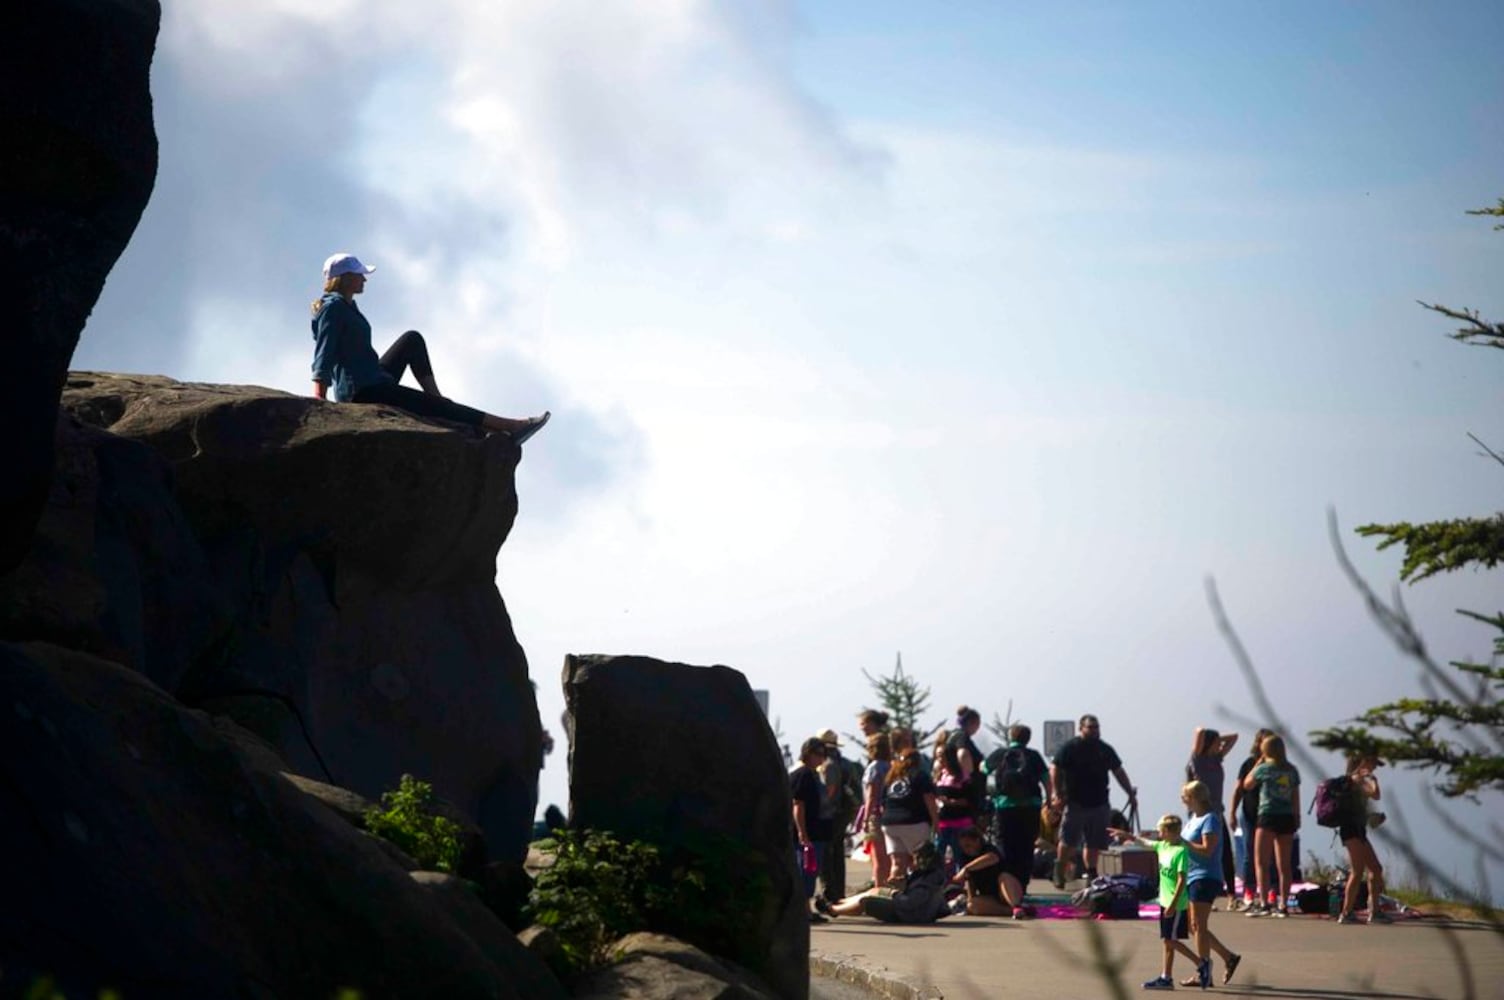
<point>410,352</point>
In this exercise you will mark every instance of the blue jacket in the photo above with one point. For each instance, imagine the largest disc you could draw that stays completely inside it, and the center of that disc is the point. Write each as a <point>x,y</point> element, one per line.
<point>343,358</point>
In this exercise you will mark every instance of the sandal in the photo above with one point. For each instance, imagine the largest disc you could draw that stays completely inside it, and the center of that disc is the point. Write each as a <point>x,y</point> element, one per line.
<point>1232,966</point>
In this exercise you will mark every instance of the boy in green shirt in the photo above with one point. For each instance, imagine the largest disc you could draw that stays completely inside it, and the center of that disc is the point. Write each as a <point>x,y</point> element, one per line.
<point>1174,927</point>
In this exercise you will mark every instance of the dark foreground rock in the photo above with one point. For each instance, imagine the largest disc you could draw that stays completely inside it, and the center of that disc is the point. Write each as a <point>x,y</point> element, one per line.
<point>323,574</point>
<point>77,165</point>
<point>153,857</point>
<point>683,758</point>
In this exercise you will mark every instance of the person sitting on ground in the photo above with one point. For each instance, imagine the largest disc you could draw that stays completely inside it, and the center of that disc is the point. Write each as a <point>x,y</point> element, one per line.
<point>919,900</point>
<point>346,368</point>
<point>991,890</point>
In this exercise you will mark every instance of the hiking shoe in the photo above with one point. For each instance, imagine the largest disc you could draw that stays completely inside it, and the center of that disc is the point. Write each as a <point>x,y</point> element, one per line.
<point>1379,917</point>
<point>1204,973</point>
<point>1160,983</point>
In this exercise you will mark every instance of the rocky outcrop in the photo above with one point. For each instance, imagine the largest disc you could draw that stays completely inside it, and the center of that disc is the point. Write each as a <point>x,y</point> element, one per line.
<point>77,166</point>
<point>658,967</point>
<point>156,858</point>
<point>683,758</point>
<point>323,574</point>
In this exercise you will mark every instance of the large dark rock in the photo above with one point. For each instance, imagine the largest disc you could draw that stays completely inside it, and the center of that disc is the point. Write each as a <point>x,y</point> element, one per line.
<point>355,548</point>
<point>78,158</point>
<point>155,858</point>
<point>114,568</point>
<point>682,757</point>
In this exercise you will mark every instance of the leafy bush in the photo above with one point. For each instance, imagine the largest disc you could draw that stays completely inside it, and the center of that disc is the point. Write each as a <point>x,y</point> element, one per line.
<point>599,888</point>
<point>406,818</point>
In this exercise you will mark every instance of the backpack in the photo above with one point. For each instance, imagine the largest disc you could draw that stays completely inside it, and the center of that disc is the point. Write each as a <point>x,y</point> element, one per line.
<point>1008,773</point>
<point>1335,802</point>
<point>1116,896</point>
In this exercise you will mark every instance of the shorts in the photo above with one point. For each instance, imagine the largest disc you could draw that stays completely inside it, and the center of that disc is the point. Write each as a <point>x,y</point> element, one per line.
<point>1089,822</point>
<point>1349,831</point>
<point>1204,890</point>
<point>1174,926</point>
<point>1279,824</point>
<point>880,906</point>
<point>905,838</point>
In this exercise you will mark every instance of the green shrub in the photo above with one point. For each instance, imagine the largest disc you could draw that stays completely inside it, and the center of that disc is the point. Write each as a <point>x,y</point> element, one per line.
<point>598,889</point>
<point>406,818</point>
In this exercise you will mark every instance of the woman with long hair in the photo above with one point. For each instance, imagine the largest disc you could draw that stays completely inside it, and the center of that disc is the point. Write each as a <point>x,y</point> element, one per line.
<point>1208,748</point>
<point>874,780</point>
<point>1363,864</point>
<point>1203,882</point>
<point>909,808</point>
<point>1278,784</point>
<point>1243,817</point>
<point>346,368</point>
<point>958,780</point>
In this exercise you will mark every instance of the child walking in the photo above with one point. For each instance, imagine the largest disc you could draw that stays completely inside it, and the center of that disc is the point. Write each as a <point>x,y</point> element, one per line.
<point>1174,926</point>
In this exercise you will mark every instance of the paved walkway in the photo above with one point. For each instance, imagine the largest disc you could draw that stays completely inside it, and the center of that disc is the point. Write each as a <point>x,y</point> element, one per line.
<point>1304,956</point>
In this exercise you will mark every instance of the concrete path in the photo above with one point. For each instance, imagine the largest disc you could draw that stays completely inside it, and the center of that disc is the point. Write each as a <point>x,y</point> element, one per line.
<point>1304,956</point>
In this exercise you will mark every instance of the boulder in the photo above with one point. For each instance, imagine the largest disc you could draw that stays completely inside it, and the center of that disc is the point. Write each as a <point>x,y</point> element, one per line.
<point>658,967</point>
<point>158,859</point>
<point>76,169</point>
<point>701,777</point>
<point>493,937</point>
<point>114,568</point>
<point>355,547</point>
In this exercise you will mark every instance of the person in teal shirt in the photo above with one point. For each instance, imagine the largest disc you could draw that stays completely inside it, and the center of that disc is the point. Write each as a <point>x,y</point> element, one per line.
<point>1278,784</point>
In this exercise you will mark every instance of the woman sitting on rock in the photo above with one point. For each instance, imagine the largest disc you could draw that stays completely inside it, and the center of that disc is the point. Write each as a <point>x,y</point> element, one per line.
<point>345,365</point>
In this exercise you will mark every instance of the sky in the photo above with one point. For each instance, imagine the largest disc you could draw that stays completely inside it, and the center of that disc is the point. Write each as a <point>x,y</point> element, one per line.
<point>985,334</point>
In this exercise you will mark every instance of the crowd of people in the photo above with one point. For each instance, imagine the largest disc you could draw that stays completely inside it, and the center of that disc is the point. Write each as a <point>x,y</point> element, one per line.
<point>963,832</point>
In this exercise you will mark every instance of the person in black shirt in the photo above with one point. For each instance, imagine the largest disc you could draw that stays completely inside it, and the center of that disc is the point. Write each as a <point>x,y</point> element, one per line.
<point>1247,818</point>
<point>990,891</point>
<point>1079,776</point>
<point>810,831</point>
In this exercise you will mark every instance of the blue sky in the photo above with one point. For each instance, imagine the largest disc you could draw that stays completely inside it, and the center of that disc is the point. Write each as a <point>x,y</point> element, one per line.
<point>986,334</point>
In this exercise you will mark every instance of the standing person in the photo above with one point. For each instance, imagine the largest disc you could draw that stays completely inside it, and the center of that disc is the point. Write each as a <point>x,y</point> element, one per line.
<point>963,756</point>
<point>1278,784</point>
<point>952,771</point>
<point>910,811</point>
<point>1174,925</point>
<point>1208,748</point>
<point>1079,778</point>
<point>345,365</point>
<point>843,790</point>
<point>870,721</point>
<point>810,831</point>
<point>1246,818</point>
<point>1203,882</point>
<point>1362,861</point>
<point>874,778</point>
<point>1014,774</point>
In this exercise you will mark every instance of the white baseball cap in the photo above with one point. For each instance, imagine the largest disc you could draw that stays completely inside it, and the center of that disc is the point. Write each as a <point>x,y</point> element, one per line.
<point>344,263</point>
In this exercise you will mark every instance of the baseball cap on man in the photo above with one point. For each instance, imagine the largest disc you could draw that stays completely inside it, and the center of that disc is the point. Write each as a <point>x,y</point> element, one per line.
<point>828,737</point>
<point>344,263</point>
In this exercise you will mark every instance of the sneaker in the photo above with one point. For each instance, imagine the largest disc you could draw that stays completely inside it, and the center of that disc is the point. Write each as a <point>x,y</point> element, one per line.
<point>818,918</point>
<point>1022,913</point>
<point>1058,876</point>
<point>1256,909</point>
<point>1160,983</point>
<point>1281,913</point>
<point>1204,973</point>
<point>1089,874</point>
<point>1379,917</point>
<point>822,905</point>
<point>1346,918</point>
<point>533,426</point>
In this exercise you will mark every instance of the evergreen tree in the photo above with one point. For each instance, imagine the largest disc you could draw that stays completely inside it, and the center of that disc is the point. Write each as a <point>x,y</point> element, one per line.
<point>1458,732</point>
